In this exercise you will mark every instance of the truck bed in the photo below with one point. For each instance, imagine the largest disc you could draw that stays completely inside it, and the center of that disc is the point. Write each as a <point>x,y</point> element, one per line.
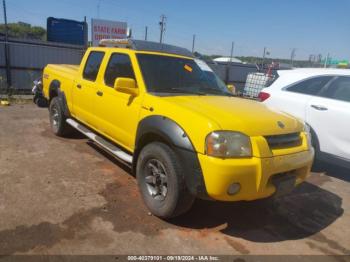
<point>64,68</point>
<point>65,74</point>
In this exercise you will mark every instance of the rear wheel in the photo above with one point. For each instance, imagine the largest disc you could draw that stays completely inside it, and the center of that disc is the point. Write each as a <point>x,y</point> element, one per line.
<point>161,180</point>
<point>57,119</point>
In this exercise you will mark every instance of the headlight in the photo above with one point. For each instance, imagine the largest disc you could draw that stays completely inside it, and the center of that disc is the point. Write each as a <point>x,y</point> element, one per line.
<point>228,144</point>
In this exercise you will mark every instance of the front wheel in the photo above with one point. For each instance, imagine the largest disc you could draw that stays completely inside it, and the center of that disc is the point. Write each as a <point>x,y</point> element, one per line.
<point>161,180</point>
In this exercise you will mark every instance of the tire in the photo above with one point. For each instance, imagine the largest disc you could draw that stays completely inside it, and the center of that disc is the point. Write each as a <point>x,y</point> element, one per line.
<point>58,120</point>
<point>159,163</point>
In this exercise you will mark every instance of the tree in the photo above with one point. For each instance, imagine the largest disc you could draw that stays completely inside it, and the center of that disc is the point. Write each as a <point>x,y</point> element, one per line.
<point>24,30</point>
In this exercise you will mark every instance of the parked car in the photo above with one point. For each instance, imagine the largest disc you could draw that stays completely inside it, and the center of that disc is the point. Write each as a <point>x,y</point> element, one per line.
<point>321,98</point>
<point>182,131</point>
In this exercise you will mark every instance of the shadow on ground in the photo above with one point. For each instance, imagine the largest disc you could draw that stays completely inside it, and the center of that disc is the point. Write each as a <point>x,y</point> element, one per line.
<point>332,170</point>
<point>304,212</point>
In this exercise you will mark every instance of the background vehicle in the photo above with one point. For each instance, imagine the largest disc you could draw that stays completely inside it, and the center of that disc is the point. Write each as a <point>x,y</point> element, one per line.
<point>157,108</point>
<point>320,97</point>
<point>38,97</point>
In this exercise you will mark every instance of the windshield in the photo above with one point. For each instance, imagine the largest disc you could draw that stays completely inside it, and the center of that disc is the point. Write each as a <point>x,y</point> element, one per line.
<point>165,74</point>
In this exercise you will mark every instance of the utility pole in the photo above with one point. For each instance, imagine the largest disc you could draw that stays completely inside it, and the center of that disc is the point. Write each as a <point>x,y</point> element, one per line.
<point>162,27</point>
<point>146,31</point>
<point>7,52</point>
<point>292,56</point>
<point>263,60</point>
<point>232,47</point>
<point>193,42</point>
<point>85,33</point>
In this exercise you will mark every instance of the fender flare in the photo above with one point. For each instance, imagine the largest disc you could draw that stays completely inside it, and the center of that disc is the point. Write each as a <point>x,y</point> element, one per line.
<point>160,128</point>
<point>55,88</point>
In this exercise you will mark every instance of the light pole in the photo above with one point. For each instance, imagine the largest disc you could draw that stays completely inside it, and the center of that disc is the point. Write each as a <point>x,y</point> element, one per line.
<point>146,32</point>
<point>232,47</point>
<point>292,56</point>
<point>193,42</point>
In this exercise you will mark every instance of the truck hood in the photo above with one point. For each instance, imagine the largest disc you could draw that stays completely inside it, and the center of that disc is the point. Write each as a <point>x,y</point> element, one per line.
<point>247,116</point>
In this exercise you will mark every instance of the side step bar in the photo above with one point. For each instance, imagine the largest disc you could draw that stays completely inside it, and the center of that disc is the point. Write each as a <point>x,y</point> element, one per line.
<point>116,151</point>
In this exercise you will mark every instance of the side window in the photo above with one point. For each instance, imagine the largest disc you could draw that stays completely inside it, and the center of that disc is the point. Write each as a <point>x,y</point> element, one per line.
<point>310,86</point>
<point>119,65</point>
<point>339,89</point>
<point>92,65</point>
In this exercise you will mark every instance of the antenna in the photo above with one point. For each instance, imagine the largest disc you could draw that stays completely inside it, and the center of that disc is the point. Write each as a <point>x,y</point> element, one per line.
<point>98,8</point>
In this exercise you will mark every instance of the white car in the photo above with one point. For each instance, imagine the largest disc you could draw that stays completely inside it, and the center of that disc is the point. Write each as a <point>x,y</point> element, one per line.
<point>320,97</point>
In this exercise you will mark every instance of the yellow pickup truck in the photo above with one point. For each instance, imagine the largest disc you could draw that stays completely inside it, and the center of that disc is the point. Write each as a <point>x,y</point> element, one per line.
<point>167,114</point>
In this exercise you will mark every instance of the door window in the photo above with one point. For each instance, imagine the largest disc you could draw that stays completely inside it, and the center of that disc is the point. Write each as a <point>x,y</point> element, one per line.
<point>339,89</point>
<point>119,65</point>
<point>92,65</point>
<point>311,86</point>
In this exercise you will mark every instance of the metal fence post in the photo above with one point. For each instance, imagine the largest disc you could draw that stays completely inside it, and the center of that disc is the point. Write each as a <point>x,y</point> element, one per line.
<point>7,53</point>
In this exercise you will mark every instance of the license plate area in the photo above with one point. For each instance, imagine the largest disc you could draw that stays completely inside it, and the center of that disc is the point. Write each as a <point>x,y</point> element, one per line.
<point>284,183</point>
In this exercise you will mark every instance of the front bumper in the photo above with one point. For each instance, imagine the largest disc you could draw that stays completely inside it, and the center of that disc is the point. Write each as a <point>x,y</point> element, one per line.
<point>253,174</point>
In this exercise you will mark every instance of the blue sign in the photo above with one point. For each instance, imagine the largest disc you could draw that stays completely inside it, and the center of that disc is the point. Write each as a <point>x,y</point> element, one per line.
<point>66,31</point>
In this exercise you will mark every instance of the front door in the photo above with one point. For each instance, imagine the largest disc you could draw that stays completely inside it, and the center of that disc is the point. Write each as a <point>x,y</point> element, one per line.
<point>117,112</point>
<point>294,98</point>
<point>329,116</point>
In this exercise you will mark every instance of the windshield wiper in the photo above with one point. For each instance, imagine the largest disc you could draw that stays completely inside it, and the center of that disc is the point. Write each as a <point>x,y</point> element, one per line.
<point>217,92</point>
<point>179,90</point>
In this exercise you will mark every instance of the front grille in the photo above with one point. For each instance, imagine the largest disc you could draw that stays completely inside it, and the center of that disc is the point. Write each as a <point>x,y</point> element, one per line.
<point>283,141</point>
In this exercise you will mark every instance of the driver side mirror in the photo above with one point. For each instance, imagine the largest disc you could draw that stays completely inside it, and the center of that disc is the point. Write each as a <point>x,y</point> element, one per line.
<point>126,85</point>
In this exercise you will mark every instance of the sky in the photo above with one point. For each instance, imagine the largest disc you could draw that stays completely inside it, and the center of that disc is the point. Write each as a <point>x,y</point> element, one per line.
<point>310,26</point>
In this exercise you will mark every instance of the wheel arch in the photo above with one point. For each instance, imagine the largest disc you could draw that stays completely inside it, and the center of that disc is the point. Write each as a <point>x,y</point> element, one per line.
<point>161,129</point>
<point>55,91</point>
<point>314,138</point>
<point>158,128</point>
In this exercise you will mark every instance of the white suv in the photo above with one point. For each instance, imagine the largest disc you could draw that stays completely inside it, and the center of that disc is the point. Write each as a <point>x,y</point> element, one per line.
<point>320,97</point>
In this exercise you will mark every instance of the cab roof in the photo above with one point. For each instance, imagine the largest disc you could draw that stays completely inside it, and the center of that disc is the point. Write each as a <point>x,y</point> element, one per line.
<point>146,46</point>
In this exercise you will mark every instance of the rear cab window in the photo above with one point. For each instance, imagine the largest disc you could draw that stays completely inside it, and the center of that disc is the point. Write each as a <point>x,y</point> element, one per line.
<point>92,65</point>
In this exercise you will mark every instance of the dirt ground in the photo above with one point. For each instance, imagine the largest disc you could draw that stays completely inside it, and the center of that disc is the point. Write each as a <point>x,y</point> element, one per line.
<point>67,196</point>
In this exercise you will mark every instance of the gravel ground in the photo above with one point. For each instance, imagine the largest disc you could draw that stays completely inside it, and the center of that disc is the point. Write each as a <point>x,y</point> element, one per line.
<point>67,196</point>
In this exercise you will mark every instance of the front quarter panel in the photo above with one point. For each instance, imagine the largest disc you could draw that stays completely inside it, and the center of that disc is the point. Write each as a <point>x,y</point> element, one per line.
<point>194,124</point>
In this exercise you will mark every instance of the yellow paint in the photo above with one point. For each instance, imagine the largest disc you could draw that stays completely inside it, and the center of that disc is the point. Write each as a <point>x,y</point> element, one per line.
<point>188,68</point>
<point>5,103</point>
<point>116,116</point>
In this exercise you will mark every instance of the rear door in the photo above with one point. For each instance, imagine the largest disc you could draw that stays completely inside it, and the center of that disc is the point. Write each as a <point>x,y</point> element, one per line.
<point>84,87</point>
<point>329,116</point>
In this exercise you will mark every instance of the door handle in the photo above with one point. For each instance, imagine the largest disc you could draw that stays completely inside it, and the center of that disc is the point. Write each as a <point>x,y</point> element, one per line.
<point>79,86</point>
<point>319,107</point>
<point>99,93</point>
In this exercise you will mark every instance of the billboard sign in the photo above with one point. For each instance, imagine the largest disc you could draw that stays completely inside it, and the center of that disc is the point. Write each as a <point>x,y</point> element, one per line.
<point>66,31</point>
<point>105,29</point>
